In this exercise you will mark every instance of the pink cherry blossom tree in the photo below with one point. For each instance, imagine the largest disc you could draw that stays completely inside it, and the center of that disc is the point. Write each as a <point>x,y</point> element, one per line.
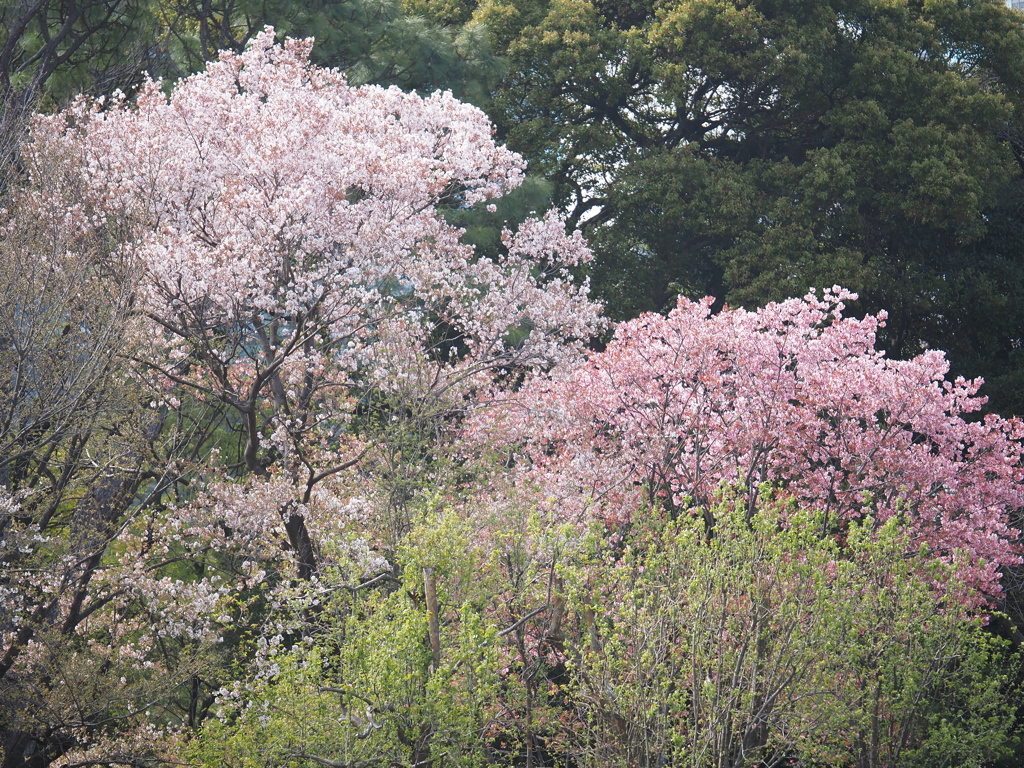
<point>795,395</point>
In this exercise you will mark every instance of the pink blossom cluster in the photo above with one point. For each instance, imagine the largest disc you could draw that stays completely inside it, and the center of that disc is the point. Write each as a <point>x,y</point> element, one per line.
<point>796,395</point>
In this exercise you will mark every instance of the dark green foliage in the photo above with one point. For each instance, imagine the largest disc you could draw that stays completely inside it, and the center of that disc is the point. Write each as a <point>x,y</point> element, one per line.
<point>374,41</point>
<point>62,48</point>
<point>753,150</point>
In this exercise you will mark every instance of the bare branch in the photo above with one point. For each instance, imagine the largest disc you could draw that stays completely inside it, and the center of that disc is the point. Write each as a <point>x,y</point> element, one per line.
<point>509,630</point>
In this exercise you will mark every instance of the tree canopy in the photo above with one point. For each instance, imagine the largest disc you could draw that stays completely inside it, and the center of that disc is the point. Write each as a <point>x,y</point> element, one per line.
<point>299,304</point>
<point>315,448</point>
<point>794,395</point>
<point>752,150</point>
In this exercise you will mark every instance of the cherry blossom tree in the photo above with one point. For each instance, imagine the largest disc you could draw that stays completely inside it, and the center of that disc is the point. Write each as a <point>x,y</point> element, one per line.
<point>305,327</point>
<point>298,269</point>
<point>794,394</point>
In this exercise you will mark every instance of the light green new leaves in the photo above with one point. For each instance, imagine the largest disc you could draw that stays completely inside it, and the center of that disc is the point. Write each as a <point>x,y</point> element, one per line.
<point>761,640</point>
<point>362,687</point>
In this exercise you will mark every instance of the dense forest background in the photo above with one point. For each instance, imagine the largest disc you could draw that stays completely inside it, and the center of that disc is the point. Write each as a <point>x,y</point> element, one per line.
<point>444,513</point>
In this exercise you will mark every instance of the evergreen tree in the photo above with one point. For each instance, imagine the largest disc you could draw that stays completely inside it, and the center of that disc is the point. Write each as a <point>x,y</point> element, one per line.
<point>750,150</point>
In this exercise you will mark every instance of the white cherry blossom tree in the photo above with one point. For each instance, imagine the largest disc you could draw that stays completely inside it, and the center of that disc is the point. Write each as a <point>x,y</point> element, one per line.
<point>296,263</point>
